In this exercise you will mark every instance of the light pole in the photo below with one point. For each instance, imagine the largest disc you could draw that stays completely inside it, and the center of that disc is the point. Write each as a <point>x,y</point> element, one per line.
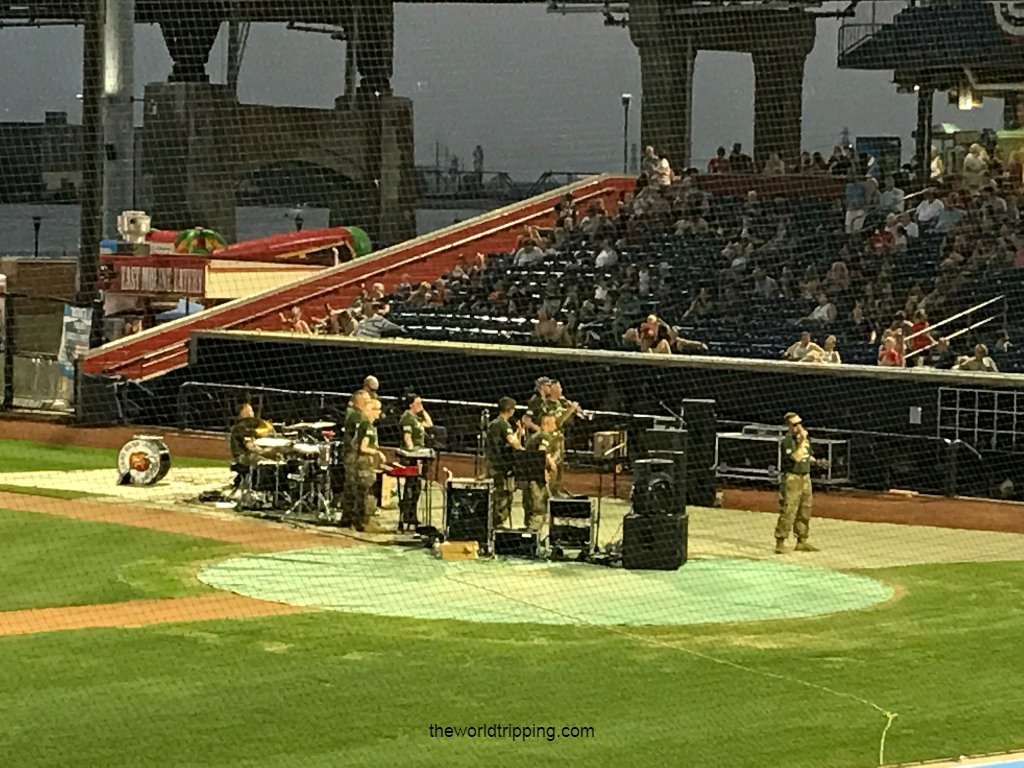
<point>626,98</point>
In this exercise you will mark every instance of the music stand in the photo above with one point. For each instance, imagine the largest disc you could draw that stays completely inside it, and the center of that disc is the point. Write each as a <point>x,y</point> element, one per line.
<point>529,466</point>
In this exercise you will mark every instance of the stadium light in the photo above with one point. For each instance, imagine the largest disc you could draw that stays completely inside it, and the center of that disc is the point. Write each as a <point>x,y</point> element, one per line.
<point>626,98</point>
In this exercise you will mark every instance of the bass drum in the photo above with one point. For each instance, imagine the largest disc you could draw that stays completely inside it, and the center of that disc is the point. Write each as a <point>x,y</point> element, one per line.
<point>143,460</point>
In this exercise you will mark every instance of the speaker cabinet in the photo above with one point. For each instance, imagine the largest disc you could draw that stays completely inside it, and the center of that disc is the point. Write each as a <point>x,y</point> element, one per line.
<point>654,543</point>
<point>701,428</point>
<point>509,542</point>
<point>654,487</point>
<point>467,514</point>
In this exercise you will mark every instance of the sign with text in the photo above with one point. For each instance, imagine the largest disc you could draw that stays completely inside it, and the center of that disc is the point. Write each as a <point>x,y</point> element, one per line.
<point>74,338</point>
<point>154,275</point>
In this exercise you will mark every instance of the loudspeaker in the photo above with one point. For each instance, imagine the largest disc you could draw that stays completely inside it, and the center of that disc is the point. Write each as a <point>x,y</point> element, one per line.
<point>662,440</point>
<point>515,543</point>
<point>654,543</point>
<point>653,487</point>
<point>467,515</point>
<point>701,427</point>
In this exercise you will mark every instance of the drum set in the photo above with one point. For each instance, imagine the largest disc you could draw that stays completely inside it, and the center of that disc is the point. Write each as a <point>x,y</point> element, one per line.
<point>297,473</point>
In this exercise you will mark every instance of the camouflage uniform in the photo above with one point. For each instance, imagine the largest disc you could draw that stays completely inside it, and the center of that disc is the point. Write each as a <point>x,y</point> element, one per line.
<point>536,495</point>
<point>499,469</point>
<point>795,492</point>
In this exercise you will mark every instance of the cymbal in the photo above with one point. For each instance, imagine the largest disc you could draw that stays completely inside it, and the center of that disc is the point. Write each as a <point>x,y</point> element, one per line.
<point>316,425</point>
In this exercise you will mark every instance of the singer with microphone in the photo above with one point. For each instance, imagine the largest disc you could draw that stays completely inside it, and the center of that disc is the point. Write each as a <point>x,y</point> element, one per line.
<point>795,487</point>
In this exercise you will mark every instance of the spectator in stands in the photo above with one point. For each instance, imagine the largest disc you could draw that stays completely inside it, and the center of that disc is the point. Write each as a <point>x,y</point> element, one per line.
<point>774,166</point>
<point>975,168</point>
<point>374,324</point>
<point>787,283</point>
<point>649,163</point>
<point>837,279</point>
<point>856,203</point>
<point>295,322</point>
<point>692,223</point>
<point>800,349</point>
<point>565,212</point>
<point>810,285</point>
<point>824,313</point>
<point>529,255</point>
<point>818,164</point>
<point>595,219</point>
<point>700,306</point>
<point>980,362</point>
<point>421,296</point>
<point>918,339</point>
<point>839,163</point>
<point>550,331</point>
<point>662,175</point>
<point>719,163</point>
<point>992,205</point>
<point>891,199</point>
<point>889,355</point>
<point>739,162</point>
<point>937,167</point>
<point>928,210</point>
<point>910,228</point>
<point>828,355</point>
<point>950,215</point>
<point>607,257</point>
<point>765,287</point>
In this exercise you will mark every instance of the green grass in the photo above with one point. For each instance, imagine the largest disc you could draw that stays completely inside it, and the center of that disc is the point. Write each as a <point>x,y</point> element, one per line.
<point>49,561</point>
<point>29,456</point>
<point>349,690</point>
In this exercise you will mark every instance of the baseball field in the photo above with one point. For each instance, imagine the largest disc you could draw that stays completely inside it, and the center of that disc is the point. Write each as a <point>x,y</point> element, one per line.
<point>141,630</point>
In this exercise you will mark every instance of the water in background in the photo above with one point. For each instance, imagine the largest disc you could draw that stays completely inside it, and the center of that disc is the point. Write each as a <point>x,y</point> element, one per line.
<point>58,231</point>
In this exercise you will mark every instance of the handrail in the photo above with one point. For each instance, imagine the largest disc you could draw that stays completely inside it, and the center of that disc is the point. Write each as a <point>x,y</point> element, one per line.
<point>955,317</point>
<point>961,332</point>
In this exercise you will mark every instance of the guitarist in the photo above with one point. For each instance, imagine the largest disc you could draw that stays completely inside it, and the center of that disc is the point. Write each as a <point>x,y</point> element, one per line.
<point>535,498</point>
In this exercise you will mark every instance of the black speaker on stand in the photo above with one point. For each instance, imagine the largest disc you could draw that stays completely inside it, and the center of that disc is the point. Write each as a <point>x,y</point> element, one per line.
<point>701,428</point>
<point>670,445</point>
<point>467,514</point>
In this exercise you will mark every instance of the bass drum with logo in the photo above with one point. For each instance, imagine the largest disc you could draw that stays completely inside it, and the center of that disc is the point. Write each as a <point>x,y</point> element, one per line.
<point>143,460</point>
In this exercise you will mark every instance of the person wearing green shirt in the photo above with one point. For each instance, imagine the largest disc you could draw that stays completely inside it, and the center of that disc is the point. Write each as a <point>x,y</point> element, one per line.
<point>563,410</point>
<point>536,495</point>
<point>500,440</point>
<point>414,424</point>
<point>795,487</point>
<point>359,501</point>
<point>538,405</point>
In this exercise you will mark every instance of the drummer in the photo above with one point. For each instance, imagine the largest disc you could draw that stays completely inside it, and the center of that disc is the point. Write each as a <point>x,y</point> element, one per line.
<point>370,387</point>
<point>414,423</point>
<point>242,437</point>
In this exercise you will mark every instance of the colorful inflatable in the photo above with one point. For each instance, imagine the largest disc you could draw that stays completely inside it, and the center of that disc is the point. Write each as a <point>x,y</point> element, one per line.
<point>198,241</point>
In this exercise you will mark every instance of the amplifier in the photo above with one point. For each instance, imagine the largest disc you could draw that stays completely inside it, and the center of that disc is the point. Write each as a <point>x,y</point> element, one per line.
<point>579,508</point>
<point>467,514</point>
<point>511,542</point>
<point>654,543</point>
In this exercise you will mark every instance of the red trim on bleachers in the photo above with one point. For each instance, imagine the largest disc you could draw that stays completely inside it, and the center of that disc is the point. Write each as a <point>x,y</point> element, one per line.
<point>166,347</point>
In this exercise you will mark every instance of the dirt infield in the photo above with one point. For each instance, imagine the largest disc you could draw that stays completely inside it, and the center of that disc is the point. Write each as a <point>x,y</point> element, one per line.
<point>252,534</point>
<point>138,613</point>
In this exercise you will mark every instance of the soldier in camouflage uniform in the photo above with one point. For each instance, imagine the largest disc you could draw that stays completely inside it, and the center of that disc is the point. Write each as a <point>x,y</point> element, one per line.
<point>795,490</point>
<point>563,411</point>
<point>349,495</point>
<point>361,466</point>
<point>501,440</point>
<point>536,495</point>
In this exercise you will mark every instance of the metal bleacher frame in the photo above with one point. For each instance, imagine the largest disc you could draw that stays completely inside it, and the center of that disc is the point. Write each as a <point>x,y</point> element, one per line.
<point>836,451</point>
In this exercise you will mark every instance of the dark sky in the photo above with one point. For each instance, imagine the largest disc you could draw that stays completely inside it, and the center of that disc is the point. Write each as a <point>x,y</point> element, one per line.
<point>539,91</point>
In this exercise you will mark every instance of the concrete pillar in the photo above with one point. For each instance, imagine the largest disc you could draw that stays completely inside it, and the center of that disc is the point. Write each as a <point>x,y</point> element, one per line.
<point>667,56</point>
<point>189,35</point>
<point>375,46</point>
<point>118,112</point>
<point>778,87</point>
<point>188,155</point>
<point>923,135</point>
<point>91,192</point>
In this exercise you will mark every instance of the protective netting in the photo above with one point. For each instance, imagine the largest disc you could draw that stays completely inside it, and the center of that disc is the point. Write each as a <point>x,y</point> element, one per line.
<point>626,382</point>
